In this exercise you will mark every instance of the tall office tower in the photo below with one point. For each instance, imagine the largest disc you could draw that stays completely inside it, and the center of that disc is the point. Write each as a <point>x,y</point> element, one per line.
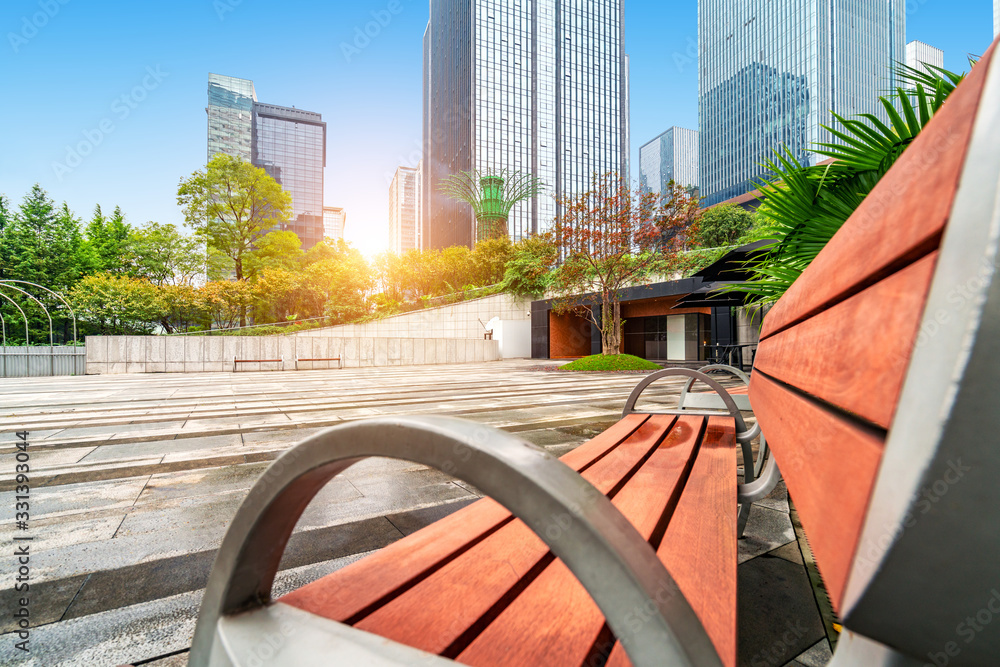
<point>772,71</point>
<point>288,143</point>
<point>230,116</point>
<point>996,17</point>
<point>334,222</point>
<point>919,54</point>
<point>536,86</point>
<point>672,156</point>
<point>404,210</point>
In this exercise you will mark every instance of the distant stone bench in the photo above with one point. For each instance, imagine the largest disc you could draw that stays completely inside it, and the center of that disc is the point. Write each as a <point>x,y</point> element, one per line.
<point>340,363</point>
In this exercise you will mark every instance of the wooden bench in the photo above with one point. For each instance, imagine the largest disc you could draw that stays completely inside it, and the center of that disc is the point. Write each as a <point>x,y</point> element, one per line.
<point>237,361</point>
<point>340,364</point>
<point>625,551</point>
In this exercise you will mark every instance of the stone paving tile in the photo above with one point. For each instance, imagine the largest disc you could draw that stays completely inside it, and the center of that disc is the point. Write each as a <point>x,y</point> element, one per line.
<point>819,655</point>
<point>75,497</point>
<point>766,530</point>
<point>777,615</point>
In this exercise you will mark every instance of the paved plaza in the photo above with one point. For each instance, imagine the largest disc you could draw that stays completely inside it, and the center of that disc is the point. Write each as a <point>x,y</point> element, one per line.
<point>135,480</point>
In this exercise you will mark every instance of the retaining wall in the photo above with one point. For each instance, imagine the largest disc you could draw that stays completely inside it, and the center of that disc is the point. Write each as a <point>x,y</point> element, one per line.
<point>113,355</point>
<point>459,320</point>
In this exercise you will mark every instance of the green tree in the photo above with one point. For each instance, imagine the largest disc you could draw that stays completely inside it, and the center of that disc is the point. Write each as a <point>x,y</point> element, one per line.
<point>337,287</point>
<point>232,204</point>
<point>42,244</point>
<point>275,250</point>
<point>164,256</point>
<point>117,305</point>
<point>529,271</point>
<point>112,242</point>
<point>722,226</point>
<point>489,261</point>
<point>227,302</point>
<point>182,307</point>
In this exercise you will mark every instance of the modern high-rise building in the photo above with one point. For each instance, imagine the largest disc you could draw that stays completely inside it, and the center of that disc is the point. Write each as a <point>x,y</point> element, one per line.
<point>230,116</point>
<point>288,143</point>
<point>536,86</point>
<point>996,17</point>
<point>772,72</point>
<point>919,54</point>
<point>672,156</point>
<point>404,210</point>
<point>334,222</point>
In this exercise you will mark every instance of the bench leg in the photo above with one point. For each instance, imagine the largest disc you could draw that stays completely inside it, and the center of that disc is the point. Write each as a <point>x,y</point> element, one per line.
<point>640,600</point>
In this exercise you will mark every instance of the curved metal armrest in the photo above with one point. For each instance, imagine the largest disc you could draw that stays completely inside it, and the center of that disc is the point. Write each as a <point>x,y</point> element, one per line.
<point>743,435</point>
<point>640,600</point>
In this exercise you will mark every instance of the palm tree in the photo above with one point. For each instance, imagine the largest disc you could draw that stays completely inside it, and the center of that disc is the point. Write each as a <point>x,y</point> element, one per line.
<point>804,206</point>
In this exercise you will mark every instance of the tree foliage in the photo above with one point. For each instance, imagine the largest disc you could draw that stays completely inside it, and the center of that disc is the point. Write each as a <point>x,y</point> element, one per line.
<point>232,204</point>
<point>805,206</point>
<point>117,305</point>
<point>723,225</point>
<point>611,238</point>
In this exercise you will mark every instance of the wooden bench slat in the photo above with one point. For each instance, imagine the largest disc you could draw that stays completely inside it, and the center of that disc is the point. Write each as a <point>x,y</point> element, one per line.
<point>454,602</point>
<point>554,621</point>
<point>348,592</point>
<point>829,464</point>
<point>856,354</point>
<point>699,547</point>
<point>902,220</point>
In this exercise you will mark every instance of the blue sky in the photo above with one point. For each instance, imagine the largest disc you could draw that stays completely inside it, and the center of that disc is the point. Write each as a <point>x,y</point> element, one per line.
<point>129,80</point>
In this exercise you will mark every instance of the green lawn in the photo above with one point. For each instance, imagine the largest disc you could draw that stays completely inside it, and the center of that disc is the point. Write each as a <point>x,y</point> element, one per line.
<point>611,362</point>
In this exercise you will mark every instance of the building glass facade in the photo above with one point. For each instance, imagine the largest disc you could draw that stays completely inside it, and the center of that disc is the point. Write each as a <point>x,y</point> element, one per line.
<point>404,210</point>
<point>288,143</point>
<point>536,86</point>
<point>771,72</point>
<point>672,156</point>
<point>334,222</point>
<point>230,116</point>
<point>919,54</point>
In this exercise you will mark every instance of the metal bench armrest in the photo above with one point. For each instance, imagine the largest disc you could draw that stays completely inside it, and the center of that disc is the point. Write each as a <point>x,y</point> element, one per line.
<point>640,600</point>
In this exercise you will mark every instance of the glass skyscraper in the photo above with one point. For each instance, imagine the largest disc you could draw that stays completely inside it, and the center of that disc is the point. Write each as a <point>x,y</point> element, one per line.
<point>230,116</point>
<point>771,72</point>
<point>404,210</point>
<point>288,143</point>
<point>334,222</point>
<point>672,156</point>
<point>536,86</point>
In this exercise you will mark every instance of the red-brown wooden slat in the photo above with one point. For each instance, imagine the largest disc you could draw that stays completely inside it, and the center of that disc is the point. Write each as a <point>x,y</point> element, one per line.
<point>829,464</point>
<point>856,354</point>
<point>437,611</point>
<point>699,547</point>
<point>901,220</point>
<point>554,621</point>
<point>345,593</point>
